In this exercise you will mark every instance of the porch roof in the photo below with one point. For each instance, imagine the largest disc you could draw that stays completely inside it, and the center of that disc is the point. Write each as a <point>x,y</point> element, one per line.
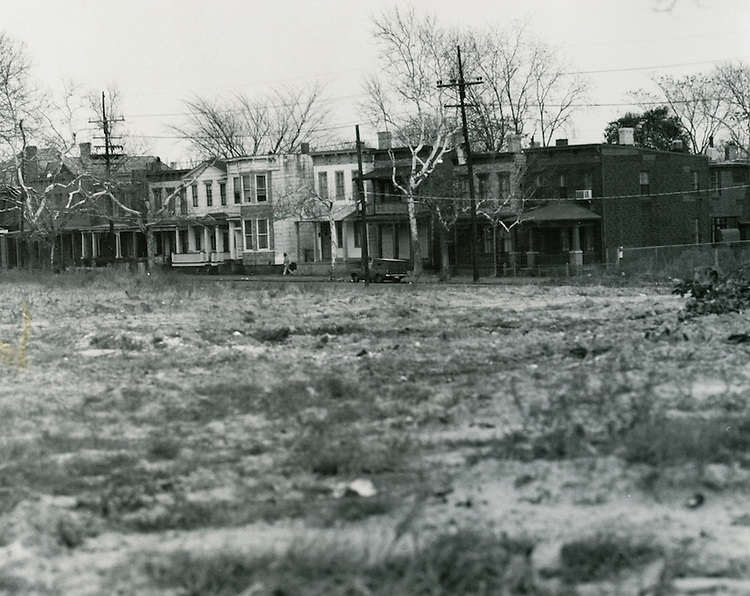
<point>386,173</point>
<point>339,214</point>
<point>562,211</point>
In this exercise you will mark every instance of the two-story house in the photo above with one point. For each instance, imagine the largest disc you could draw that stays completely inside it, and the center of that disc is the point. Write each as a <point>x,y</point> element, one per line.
<point>729,195</point>
<point>586,201</point>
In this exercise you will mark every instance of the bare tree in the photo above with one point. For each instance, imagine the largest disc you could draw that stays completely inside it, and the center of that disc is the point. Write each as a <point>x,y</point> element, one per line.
<point>734,82</point>
<point>698,103</point>
<point>405,99</point>
<point>525,89</point>
<point>241,125</point>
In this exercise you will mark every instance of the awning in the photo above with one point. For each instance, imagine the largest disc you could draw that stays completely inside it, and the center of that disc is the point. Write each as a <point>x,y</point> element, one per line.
<point>562,211</point>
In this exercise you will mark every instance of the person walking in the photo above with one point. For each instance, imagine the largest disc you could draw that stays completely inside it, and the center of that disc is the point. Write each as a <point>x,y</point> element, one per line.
<point>287,270</point>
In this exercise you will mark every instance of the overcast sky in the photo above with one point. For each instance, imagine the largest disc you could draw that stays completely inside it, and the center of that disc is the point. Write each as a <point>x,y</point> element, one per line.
<point>161,52</point>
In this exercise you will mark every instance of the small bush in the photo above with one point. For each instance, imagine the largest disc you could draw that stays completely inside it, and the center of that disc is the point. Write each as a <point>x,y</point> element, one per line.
<point>465,564</point>
<point>667,441</point>
<point>604,555</point>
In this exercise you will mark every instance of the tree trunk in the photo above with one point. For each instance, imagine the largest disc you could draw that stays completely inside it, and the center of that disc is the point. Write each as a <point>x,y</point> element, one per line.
<point>416,248</point>
<point>494,251</point>
<point>150,248</point>
<point>445,258</point>
<point>334,244</point>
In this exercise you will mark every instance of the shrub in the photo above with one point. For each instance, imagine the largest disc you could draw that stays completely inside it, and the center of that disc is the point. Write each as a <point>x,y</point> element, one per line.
<point>603,555</point>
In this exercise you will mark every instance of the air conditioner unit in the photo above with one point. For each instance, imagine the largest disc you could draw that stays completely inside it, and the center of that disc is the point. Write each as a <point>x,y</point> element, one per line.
<point>583,194</point>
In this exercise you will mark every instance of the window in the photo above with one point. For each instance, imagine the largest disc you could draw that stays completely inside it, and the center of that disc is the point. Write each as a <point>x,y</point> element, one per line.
<point>209,194</point>
<point>323,185</point>
<point>170,199</point>
<point>644,182</point>
<point>247,190</point>
<point>224,240</point>
<point>157,199</point>
<point>198,234</point>
<point>183,202</point>
<point>247,228</point>
<point>716,182</point>
<point>482,183</point>
<point>213,240</point>
<point>194,191</point>
<point>503,182</point>
<point>261,188</point>
<point>563,186</point>
<point>262,234</point>
<point>223,193</point>
<point>237,189</point>
<point>340,188</point>
<point>588,181</point>
<point>488,236</point>
<point>339,233</point>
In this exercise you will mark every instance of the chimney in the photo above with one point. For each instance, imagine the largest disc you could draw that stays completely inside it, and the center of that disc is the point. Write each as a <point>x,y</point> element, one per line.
<point>676,145</point>
<point>384,140</point>
<point>85,150</point>
<point>625,136</point>
<point>513,142</point>
<point>561,143</point>
<point>304,148</point>
<point>730,152</point>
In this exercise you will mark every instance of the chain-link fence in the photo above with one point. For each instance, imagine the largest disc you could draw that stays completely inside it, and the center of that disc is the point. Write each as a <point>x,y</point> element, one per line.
<point>678,261</point>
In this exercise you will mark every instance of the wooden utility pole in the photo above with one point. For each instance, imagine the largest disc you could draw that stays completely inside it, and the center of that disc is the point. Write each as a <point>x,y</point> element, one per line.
<point>363,201</point>
<point>461,83</point>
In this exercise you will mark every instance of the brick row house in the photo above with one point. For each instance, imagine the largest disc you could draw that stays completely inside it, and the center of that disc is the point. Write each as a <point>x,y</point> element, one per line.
<point>537,208</point>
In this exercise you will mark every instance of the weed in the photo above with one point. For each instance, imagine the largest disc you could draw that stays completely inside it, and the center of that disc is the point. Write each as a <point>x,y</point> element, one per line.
<point>463,564</point>
<point>114,341</point>
<point>668,441</point>
<point>164,447</point>
<point>329,450</point>
<point>604,555</point>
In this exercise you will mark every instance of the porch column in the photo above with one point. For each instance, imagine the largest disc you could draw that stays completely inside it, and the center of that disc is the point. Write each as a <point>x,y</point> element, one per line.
<point>232,247</point>
<point>84,252</point>
<point>3,251</point>
<point>118,246</point>
<point>299,247</point>
<point>217,239</point>
<point>576,254</point>
<point>94,252</point>
<point>135,245</point>
<point>206,241</point>
<point>177,240</point>
<point>531,253</point>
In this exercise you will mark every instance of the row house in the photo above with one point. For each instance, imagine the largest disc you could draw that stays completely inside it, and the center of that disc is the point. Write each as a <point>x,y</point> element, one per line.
<point>729,194</point>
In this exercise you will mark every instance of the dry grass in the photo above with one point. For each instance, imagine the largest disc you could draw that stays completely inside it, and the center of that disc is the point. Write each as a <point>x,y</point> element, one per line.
<point>173,403</point>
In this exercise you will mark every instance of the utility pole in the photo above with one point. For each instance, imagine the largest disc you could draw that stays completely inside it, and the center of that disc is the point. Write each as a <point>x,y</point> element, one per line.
<point>461,83</point>
<point>361,188</point>
<point>109,154</point>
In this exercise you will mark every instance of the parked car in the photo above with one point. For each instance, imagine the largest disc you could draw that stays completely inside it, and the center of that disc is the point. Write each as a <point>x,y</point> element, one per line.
<point>384,270</point>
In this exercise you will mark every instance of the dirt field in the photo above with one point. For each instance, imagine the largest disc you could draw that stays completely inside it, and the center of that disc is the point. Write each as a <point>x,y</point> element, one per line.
<point>193,436</point>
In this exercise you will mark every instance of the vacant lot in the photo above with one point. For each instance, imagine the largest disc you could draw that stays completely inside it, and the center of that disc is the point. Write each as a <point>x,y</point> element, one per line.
<point>182,435</point>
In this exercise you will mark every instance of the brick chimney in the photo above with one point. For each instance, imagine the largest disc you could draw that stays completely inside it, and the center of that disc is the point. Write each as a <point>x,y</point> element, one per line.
<point>625,136</point>
<point>513,142</point>
<point>85,151</point>
<point>384,140</point>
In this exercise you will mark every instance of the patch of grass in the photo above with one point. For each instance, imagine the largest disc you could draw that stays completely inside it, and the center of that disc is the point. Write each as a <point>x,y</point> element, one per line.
<point>604,555</point>
<point>665,441</point>
<point>117,341</point>
<point>164,447</point>
<point>464,564</point>
<point>330,450</point>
